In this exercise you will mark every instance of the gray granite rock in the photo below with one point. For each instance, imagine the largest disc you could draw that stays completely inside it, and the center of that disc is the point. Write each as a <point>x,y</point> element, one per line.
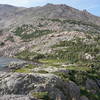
<point>15,97</point>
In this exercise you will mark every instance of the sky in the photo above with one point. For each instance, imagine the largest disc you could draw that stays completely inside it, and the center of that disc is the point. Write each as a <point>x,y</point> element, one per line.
<point>92,6</point>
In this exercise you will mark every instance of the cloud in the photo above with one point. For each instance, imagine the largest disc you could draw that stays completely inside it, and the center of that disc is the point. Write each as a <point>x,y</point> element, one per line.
<point>29,2</point>
<point>14,2</point>
<point>18,2</point>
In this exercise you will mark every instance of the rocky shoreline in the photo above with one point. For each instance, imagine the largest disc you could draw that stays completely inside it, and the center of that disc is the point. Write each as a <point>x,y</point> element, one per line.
<point>40,86</point>
<point>22,86</point>
<point>18,86</point>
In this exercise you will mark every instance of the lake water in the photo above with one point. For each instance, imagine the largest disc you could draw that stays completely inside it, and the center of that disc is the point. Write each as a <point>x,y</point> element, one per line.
<point>4,61</point>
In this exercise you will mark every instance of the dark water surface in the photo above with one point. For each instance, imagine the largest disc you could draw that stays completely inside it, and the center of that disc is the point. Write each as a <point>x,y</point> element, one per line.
<point>4,61</point>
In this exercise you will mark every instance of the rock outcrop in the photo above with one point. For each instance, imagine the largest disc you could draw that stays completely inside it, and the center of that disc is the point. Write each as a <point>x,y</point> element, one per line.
<point>15,97</point>
<point>26,84</point>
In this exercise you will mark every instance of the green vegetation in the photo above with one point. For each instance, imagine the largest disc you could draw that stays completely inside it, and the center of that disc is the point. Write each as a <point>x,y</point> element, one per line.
<point>26,55</point>
<point>79,75</point>
<point>89,94</point>
<point>37,33</point>
<point>62,75</point>
<point>2,43</point>
<point>10,38</point>
<point>42,71</point>
<point>19,30</point>
<point>40,95</point>
<point>26,69</point>
<point>75,50</point>
<point>75,68</point>
<point>85,27</point>
<point>56,20</point>
<point>52,62</point>
<point>77,22</point>
<point>70,55</point>
<point>24,29</point>
<point>23,70</point>
<point>31,66</point>
<point>1,32</point>
<point>58,63</point>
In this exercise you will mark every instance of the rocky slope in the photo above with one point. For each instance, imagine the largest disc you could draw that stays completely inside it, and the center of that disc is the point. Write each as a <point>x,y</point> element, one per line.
<point>61,49</point>
<point>11,16</point>
<point>67,68</point>
<point>52,80</point>
<point>33,84</point>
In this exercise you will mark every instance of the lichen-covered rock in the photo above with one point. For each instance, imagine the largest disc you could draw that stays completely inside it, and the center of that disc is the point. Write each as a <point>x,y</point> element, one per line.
<point>16,65</point>
<point>28,84</point>
<point>18,83</point>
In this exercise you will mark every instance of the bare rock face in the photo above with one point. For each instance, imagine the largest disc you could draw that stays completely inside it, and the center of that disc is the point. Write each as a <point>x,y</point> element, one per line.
<point>20,83</point>
<point>73,91</point>
<point>15,97</point>
<point>26,84</point>
<point>83,98</point>
<point>92,85</point>
<point>12,16</point>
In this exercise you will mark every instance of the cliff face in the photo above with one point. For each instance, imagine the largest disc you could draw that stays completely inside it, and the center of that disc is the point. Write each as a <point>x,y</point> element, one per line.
<point>10,15</point>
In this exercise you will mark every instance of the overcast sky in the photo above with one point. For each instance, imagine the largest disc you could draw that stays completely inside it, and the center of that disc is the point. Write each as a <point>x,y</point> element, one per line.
<point>92,6</point>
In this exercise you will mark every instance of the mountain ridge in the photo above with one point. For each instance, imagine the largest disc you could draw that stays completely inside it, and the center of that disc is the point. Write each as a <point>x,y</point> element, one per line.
<point>59,49</point>
<point>10,15</point>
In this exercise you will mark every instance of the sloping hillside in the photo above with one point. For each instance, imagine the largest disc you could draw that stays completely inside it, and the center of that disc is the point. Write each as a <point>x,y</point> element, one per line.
<point>12,16</point>
<point>60,51</point>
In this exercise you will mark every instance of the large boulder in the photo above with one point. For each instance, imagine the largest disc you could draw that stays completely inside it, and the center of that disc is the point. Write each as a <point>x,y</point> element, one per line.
<point>72,91</point>
<point>92,85</point>
<point>83,98</point>
<point>30,83</point>
<point>19,83</point>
